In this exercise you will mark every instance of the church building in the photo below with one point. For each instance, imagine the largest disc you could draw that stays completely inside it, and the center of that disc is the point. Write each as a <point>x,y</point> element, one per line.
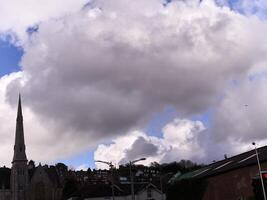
<point>24,181</point>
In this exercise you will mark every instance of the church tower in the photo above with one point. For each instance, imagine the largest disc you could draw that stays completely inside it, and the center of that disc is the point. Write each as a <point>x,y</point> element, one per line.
<point>19,170</point>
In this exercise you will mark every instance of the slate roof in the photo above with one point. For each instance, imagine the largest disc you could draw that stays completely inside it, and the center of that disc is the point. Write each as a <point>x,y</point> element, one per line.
<point>232,163</point>
<point>53,175</point>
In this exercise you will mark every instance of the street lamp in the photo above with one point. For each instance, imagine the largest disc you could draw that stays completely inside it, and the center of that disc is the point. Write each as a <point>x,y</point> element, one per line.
<point>260,172</point>
<point>131,175</point>
<point>112,178</point>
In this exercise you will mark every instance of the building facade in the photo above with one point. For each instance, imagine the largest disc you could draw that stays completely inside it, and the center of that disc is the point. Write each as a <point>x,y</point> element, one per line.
<point>232,178</point>
<point>24,181</point>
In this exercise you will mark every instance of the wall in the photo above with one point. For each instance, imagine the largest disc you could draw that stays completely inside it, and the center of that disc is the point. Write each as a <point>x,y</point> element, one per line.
<point>41,187</point>
<point>5,194</point>
<point>233,185</point>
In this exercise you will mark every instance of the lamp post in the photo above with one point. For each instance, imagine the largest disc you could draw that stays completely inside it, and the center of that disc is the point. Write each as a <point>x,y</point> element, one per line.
<point>260,172</point>
<point>112,178</point>
<point>131,175</point>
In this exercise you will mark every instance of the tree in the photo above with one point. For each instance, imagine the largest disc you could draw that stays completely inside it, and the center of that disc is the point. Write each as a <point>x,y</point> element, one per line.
<point>70,188</point>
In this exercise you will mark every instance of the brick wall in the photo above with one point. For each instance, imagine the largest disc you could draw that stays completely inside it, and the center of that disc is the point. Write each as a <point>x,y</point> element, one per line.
<point>233,185</point>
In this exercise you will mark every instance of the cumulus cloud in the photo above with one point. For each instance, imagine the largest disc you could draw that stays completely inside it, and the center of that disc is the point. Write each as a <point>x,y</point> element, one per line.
<point>98,80</point>
<point>243,111</point>
<point>180,140</point>
<point>141,148</point>
<point>104,70</point>
<point>20,15</point>
<point>38,133</point>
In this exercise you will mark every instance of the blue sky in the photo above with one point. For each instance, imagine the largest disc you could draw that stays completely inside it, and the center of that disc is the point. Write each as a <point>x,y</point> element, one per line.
<point>247,7</point>
<point>9,57</point>
<point>79,160</point>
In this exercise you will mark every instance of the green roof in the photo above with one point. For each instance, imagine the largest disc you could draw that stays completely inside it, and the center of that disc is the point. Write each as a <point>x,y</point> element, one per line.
<point>178,176</point>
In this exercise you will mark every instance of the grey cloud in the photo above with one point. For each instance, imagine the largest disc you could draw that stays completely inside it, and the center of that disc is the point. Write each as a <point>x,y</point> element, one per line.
<point>179,140</point>
<point>101,74</point>
<point>141,148</point>
<point>242,114</point>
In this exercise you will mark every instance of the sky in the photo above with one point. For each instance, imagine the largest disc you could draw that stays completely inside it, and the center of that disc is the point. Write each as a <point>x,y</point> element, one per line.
<point>118,80</point>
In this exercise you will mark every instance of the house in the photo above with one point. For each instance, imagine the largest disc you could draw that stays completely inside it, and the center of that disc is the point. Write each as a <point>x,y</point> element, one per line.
<point>142,192</point>
<point>230,178</point>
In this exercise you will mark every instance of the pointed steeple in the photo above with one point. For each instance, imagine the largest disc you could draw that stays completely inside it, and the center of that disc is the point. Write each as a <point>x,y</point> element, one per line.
<point>19,113</point>
<point>19,148</point>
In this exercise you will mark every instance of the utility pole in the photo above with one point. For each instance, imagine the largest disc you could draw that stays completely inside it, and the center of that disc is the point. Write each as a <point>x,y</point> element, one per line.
<point>260,172</point>
<point>131,176</point>
<point>111,167</point>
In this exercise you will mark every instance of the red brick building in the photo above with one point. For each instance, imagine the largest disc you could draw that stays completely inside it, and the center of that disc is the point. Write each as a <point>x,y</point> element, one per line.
<point>231,178</point>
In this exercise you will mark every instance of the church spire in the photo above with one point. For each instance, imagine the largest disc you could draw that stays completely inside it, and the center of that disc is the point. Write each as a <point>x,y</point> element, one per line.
<point>19,171</point>
<point>19,113</point>
<point>19,148</point>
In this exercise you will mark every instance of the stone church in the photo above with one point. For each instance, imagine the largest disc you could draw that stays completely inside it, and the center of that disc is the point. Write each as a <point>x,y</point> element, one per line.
<point>24,181</point>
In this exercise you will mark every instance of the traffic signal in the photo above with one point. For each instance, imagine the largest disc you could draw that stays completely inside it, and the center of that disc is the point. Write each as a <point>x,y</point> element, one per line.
<point>257,189</point>
<point>257,186</point>
<point>264,176</point>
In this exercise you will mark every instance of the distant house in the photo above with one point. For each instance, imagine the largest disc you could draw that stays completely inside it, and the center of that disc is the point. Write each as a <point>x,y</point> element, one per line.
<point>231,178</point>
<point>142,192</point>
<point>149,192</point>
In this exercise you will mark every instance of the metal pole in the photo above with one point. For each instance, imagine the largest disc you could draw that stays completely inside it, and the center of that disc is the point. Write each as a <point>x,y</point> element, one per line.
<point>161,188</point>
<point>112,181</point>
<point>131,176</point>
<point>132,181</point>
<point>262,184</point>
<point>112,177</point>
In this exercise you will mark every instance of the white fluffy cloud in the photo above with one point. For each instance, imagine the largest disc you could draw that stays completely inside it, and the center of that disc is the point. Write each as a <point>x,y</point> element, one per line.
<point>18,15</point>
<point>180,140</point>
<point>98,80</point>
<point>243,111</point>
<point>38,133</point>
<point>102,71</point>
